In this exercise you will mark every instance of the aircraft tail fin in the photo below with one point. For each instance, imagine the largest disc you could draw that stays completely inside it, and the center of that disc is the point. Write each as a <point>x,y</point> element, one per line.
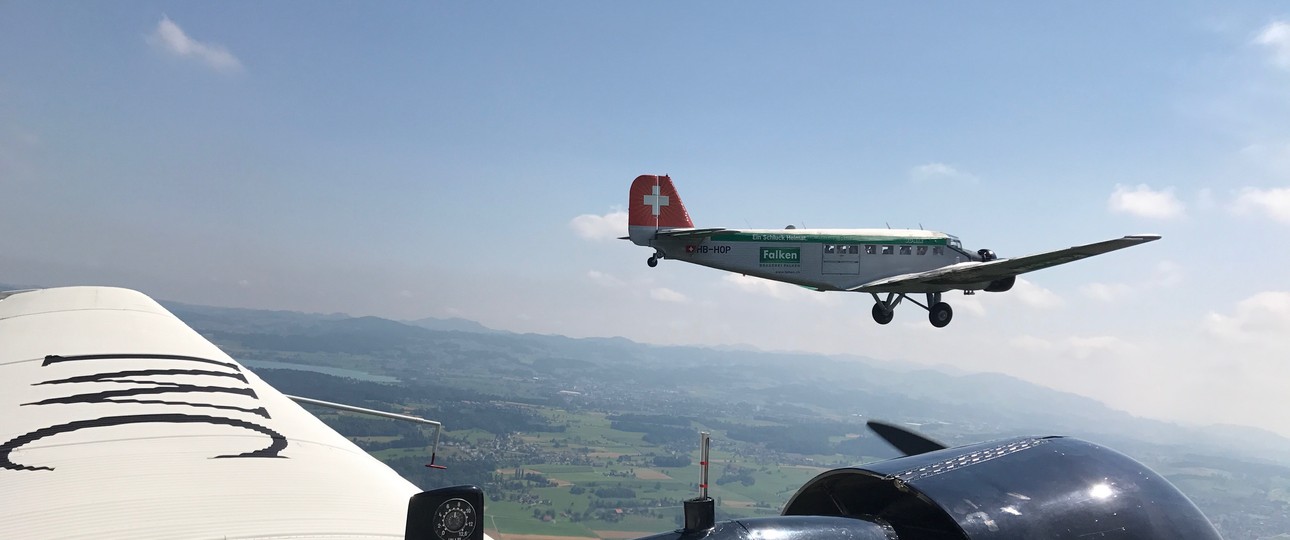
<point>654,205</point>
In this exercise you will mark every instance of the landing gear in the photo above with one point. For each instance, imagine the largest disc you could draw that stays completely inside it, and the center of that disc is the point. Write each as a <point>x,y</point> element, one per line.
<point>938,312</point>
<point>881,314</point>
<point>652,261</point>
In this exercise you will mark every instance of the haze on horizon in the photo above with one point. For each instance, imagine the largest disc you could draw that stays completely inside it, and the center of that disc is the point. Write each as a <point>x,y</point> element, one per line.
<point>409,160</point>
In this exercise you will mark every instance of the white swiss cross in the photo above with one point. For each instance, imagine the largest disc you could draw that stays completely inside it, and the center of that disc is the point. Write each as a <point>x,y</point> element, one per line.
<point>655,201</point>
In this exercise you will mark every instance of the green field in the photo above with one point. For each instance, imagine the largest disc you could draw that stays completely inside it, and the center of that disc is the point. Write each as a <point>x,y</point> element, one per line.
<point>593,477</point>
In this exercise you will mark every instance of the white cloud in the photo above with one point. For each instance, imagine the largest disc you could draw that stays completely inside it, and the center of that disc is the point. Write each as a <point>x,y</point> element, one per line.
<point>1272,156</point>
<point>1035,296</point>
<point>169,37</point>
<point>603,227</point>
<point>932,172</point>
<point>1276,37</point>
<point>1167,274</point>
<point>604,279</point>
<point>664,294</point>
<point>754,285</point>
<point>1086,347</point>
<point>1078,347</point>
<point>776,289</point>
<point>1205,199</point>
<point>969,304</point>
<point>1262,318</point>
<point>1106,292</point>
<point>1273,203</point>
<point>1031,343</point>
<point>1142,201</point>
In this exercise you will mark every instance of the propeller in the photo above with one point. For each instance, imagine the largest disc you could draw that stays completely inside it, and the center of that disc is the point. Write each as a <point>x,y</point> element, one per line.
<point>906,441</point>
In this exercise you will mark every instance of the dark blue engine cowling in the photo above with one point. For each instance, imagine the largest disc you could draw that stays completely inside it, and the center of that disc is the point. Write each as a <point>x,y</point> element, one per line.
<point>1022,488</point>
<point>1051,487</point>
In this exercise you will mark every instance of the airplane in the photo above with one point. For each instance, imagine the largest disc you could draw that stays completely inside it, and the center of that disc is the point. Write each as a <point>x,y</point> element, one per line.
<point>894,262</point>
<point>117,420</point>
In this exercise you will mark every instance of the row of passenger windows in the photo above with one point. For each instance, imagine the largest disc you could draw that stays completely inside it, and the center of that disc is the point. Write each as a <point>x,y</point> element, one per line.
<point>871,249</point>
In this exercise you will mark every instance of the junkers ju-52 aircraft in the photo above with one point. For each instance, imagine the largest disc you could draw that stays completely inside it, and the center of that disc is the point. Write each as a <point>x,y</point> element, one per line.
<point>894,262</point>
<point>117,420</point>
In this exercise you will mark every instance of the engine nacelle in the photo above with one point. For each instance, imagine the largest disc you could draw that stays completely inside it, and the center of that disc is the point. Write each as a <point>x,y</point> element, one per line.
<point>1001,285</point>
<point>1019,488</point>
<point>1026,487</point>
<point>986,255</point>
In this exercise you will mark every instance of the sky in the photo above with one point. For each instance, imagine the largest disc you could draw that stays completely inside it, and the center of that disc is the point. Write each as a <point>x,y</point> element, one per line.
<point>471,159</point>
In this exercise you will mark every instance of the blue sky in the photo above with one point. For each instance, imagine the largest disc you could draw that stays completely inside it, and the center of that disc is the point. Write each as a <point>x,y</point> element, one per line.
<point>435,159</point>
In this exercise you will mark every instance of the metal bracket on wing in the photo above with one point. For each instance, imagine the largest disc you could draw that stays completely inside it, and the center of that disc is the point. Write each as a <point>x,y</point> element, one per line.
<point>438,427</point>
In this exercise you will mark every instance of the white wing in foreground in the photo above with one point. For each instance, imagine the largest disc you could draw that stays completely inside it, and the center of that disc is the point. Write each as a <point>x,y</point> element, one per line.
<point>117,420</point>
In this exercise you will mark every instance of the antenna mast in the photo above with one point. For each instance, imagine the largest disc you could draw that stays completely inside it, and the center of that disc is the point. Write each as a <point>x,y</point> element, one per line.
<point>700,512</point>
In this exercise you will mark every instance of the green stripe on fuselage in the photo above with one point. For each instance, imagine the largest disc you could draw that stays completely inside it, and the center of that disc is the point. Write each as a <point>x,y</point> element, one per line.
<point>828,239</point>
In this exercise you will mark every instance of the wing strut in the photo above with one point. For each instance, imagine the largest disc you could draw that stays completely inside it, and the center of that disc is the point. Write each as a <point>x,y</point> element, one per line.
<point>438,427</point>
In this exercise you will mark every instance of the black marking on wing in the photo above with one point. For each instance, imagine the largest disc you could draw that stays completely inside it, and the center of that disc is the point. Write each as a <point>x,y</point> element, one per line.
<point>258,411</point>
<point>272,451</point>
<point>109,377</point>
<point>55,359</point>
<point>107,395</point>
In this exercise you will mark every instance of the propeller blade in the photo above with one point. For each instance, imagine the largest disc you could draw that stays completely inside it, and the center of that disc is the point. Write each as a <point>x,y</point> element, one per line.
<point>908,442</point>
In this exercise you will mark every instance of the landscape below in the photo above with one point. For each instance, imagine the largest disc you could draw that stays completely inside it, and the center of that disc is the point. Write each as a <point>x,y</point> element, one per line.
<point>598,437</point>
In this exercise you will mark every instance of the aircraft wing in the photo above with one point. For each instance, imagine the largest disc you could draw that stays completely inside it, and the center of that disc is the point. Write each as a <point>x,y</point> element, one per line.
<point>972,273</point>
<point>117,420</point>
<point>691,233</point>
<point>686,233</point>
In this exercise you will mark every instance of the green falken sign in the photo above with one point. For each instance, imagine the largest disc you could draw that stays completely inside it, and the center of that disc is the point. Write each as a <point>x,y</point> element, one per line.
<point>775,255</point>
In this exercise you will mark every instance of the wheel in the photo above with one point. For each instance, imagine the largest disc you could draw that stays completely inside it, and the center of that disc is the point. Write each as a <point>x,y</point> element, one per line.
<point>940,314</point>
<point>652,262</point>
<point>881,314</point>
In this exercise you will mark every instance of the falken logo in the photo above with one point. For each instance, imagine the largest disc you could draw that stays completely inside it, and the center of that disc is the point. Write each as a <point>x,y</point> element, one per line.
<point>781,256</point>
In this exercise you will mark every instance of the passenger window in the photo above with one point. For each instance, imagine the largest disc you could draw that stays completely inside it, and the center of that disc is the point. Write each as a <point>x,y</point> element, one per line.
<point>853,250</point>
<point>830,249</point>
<point>922,250</point>
<point>938,250</point>
<point>887,250</point>
<point>906,250</point>
<point>870,249</point>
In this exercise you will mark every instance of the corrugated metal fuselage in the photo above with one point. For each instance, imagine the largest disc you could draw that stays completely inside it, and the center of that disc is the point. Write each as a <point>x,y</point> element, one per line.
<point>823,259</point>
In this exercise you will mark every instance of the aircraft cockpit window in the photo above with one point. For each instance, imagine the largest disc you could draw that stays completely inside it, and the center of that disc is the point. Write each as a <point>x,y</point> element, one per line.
<point>870,249</point>
<point>888,250</point>
<point>955,243</point>
<point>906,250</point>
<point>922,250</point>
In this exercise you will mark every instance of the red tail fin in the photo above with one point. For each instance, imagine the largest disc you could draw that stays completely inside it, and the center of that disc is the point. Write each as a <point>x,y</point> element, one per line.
<point>655,203</point>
